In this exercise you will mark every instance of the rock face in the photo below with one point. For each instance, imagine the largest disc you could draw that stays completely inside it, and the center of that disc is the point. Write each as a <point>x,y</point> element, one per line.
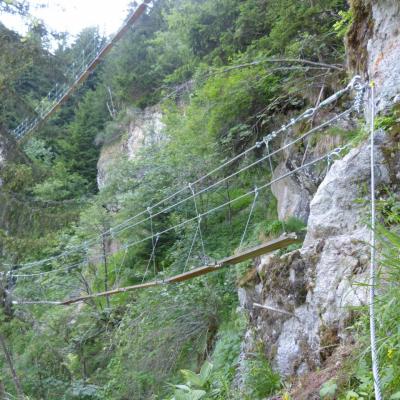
<point>2,155</point>
<point>384,51</point>
<point>145,128</point>
<point>295,192</point>
<point>293,199</point>
<point>299,303</point>
<point>373,46</point>
<point>306,293</point>
<point>8,151</point>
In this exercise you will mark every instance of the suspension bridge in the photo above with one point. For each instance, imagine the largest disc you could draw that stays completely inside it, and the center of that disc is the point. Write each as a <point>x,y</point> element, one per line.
<point>76,75</point>
<point>181,198</point>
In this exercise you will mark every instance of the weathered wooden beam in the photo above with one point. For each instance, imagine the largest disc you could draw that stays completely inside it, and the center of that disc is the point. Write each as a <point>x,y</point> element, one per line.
<point>244,255</point>
<point>264,248</point>
<point>111,292</point>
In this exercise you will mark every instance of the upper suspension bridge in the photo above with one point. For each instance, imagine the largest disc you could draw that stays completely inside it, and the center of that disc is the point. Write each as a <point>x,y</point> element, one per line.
<point>77,73</point>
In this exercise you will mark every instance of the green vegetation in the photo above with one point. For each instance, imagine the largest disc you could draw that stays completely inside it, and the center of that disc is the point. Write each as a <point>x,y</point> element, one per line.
<point>207,63</point>
<point>357,381</point>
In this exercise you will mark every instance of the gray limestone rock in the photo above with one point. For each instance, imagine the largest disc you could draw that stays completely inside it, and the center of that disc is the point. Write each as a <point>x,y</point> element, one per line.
<point>144,129</point>
<point>293,199</point>
<point>316,286</point>
<point>384,51</point>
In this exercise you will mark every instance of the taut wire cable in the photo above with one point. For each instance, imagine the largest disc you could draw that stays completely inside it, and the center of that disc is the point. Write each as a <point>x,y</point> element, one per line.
<point>372,278</point>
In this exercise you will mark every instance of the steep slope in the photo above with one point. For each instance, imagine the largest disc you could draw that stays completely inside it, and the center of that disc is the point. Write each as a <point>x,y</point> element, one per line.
<point>209,81</point>
<point>317,290</point>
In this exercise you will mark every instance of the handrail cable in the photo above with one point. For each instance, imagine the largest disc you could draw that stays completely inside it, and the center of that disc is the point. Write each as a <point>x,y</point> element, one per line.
<point>166,209</point>
<point>354,84</point>
<point>156,235</point>
<point>173,279</point>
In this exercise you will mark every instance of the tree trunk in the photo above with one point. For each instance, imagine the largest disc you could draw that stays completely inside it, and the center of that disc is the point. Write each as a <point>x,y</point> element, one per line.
<point>105,270</point>
<point>3,395</point>
<point>9,360</point>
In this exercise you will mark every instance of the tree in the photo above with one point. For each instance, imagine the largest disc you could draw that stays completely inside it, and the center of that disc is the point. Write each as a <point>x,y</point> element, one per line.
<point>14,6</point>
<point>10,362</point>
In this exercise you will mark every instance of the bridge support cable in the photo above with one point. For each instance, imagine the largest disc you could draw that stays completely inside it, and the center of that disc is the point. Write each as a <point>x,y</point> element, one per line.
<point>249,217</point>
<point>257,251</point>
<point>246,254</point>
<point>199,216</point>
<point>132,222</point>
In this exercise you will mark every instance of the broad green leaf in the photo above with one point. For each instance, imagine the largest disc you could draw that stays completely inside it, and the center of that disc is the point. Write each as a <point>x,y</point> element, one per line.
<point>205,372</point>
<point>191,378</point>
<point>328,389</point>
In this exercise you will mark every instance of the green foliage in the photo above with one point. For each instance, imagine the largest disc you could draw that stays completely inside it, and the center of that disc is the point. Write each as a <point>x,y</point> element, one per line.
<point>37,150</point>
<point>81,153</point>
<point>328,389</point>
<point>61,185</point>
<point>82,391</point>
<point>261,380</point>
<point>342,26</point>
<point>390,122</point>
<point>194,384</point>
<point>388,334</point>
<point>130,348</point>
<point>17,177</point>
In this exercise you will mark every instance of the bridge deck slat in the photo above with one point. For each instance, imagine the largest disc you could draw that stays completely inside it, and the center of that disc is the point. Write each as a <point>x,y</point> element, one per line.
<point>253,252</point>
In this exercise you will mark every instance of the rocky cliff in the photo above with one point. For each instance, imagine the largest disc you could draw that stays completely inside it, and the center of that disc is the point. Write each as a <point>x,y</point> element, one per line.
<point>300,304</point>
<point>8,150</point>
<point>140,129</point>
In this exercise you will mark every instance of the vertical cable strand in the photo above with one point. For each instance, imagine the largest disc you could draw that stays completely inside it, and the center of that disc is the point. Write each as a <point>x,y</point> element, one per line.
<point>372,278</point>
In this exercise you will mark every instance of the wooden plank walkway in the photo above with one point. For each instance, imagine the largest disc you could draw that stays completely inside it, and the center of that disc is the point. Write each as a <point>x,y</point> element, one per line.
<point>247,254</point>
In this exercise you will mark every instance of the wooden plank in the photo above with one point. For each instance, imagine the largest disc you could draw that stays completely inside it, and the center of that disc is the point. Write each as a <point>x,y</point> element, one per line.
<point>253,252</point>
<point>112,292</point>
<point>264,248</point>
<point>193,273</point>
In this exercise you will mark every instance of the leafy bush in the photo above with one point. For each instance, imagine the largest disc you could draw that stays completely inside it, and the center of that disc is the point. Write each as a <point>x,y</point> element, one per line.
<point>261,381</point>
<point>387,317</point>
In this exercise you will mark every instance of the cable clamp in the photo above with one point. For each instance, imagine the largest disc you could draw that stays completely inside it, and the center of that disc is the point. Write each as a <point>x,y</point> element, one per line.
<point>308,113</point>
<point>336,152</point>
<point>268,138</point>
<point>355,83</point>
